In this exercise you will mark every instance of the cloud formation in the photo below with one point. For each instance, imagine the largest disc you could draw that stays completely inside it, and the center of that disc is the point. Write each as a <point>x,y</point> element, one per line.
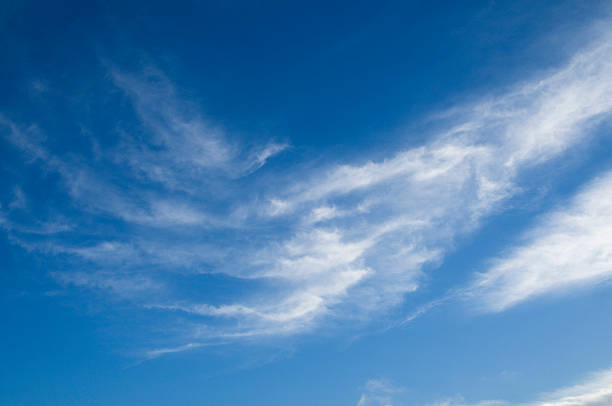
<point>179,144</point>
<point>378,392</point>
<point>346,241</point>
<point>595,390</point>
<point>568,249</point>
<point>367,231</point>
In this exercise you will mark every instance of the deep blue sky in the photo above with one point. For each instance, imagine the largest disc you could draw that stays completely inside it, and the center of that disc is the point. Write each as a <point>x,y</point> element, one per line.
<point>322,203</point>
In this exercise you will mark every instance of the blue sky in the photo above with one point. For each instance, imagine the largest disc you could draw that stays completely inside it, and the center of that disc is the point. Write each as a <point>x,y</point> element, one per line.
<point>273,203</point>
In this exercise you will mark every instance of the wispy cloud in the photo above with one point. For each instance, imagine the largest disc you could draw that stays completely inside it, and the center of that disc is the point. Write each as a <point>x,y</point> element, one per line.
<point>346,241</point>
<point>458,401</point>
<point>183,145</point>
<point>568,249</point>
<point>164,351</point>
<point>121,286</point>
<point>595,390</point>
<point>369,230</point>
<point>496,138</point>
<point>379,392</point>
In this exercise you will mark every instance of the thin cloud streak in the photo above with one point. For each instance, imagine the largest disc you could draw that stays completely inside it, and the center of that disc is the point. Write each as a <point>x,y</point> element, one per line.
<point>349,242</point>
<point>378,392</point>
<point>424,197</point>
<point>595,390</point>
<point>570,248</point>
<point>183,145</point>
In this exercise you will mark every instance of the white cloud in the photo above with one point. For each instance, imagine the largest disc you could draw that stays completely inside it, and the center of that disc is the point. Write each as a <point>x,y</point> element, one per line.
<point>122,286</point>
<point>378,392</point>
<point>498,137</point>
<point>347,241</point>
<point>184,136</point>
<point>421,199</point>
<point>595,390</point>
<point>316,270</point>
<point>163,351</point>
<point>458,401</point>
<point>183,145</point>
<point>569,248</point>
<point>322,213</point>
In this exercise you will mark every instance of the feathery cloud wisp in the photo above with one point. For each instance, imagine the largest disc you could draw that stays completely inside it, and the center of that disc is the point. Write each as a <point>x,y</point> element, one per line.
<point>401,214</point>
<point>348,242</point>
<point>595,390</point>
<point>569,248</point>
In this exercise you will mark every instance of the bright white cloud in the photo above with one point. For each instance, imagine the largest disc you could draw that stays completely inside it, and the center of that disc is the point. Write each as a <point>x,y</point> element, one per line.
<point>596,390</point>
<point>347,241</point>
<point>380,223</point>
<point>491,141</point>
<point>569,248</point>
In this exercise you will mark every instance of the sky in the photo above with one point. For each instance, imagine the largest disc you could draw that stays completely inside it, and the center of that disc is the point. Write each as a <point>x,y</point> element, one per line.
<point>390,203</point>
